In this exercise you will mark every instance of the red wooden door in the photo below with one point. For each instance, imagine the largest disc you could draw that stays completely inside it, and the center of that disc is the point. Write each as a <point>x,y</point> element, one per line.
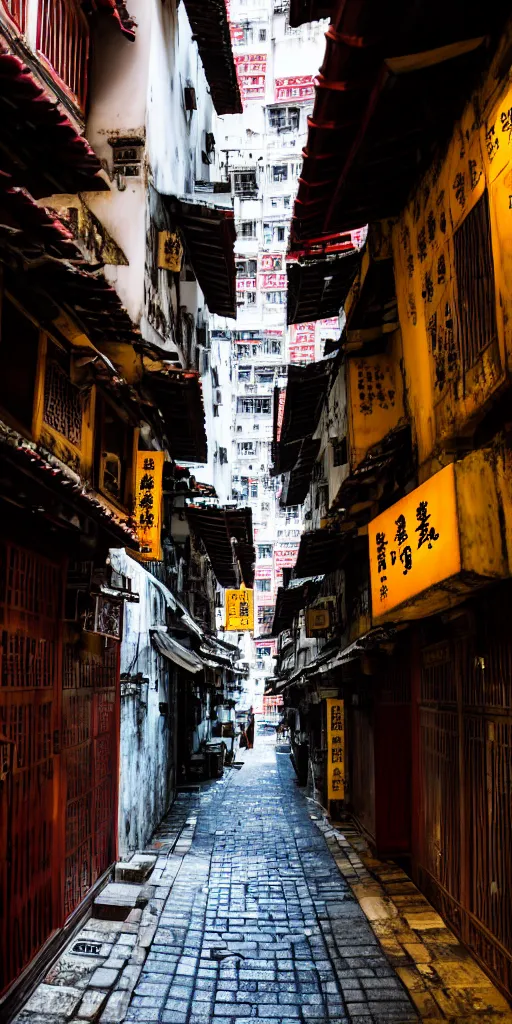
<point>31,589</point>
<point>90,731</point>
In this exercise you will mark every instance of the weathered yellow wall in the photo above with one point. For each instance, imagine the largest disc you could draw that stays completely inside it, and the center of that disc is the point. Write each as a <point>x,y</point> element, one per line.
<point>375,398</point>
<point>444,403</point>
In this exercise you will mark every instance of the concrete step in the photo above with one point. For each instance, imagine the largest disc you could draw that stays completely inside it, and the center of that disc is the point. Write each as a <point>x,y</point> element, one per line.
<point>118,899</point>
<point>137,869</point>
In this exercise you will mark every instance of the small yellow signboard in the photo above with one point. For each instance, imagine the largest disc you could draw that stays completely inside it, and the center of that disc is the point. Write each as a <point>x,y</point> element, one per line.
<point>317,619</point>
<point>335,749</point>
<point>240,610</point>
<point>415,544</point>
<point>148,491</point>
<point>170,251</point>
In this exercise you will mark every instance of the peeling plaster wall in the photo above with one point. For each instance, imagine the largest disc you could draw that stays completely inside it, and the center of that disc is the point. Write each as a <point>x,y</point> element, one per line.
<point>137,89</point>
<point>148,738</point>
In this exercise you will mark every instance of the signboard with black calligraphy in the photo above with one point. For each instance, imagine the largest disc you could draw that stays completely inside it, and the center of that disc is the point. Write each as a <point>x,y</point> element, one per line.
<point>240,610</point>
<point>335,749</point>
<point>148,513</point>
<point>415,544</point>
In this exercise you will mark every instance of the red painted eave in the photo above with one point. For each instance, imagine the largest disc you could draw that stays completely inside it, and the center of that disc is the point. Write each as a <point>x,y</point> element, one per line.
<point>50,155</point>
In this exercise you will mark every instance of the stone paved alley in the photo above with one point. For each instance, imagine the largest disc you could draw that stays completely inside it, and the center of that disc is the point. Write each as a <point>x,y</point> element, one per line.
<point>259,922</point>
<point>250,915</point>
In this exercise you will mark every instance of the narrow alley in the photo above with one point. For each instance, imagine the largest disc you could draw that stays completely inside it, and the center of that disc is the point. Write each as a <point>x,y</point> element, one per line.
<point>258,922</point>
<point>255,511</point>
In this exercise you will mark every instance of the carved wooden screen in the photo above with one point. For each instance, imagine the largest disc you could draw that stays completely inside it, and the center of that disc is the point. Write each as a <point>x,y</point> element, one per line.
<point>30,687</point>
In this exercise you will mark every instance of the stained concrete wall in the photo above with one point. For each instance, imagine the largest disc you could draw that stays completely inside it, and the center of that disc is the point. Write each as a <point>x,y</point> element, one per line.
<point>148,737</point>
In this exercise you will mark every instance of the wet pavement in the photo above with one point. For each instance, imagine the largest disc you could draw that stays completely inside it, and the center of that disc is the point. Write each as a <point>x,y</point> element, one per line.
<point>259,923</point>
<point>252,906</point>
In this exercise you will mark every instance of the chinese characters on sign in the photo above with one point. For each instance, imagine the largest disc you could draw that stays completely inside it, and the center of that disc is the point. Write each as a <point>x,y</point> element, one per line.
<point>300,87</point>
<point>240,610</point>
<point>251,70</point>
<point>271,262</point>
<point>170,251</point>
<point>148,513</point>
<point>375,385</point>
<point>415,543</point>
<point>335,749</point>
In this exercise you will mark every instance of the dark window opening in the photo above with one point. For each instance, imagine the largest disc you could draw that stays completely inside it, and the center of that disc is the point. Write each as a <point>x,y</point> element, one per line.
<point>474,268</point>
<point>19,351</point>
<point>339,452</point>
<point>114,445</point>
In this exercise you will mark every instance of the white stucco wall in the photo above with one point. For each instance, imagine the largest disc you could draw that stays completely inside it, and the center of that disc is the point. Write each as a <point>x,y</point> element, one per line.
<point>137,89</point>
<point>148,738</point>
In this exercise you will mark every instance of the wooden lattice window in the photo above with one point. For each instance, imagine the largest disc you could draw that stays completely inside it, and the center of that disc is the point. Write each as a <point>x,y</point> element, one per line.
<point>17,9</point>
<point>475,283</point>
<point>62,403</point>
<point>63,39</point>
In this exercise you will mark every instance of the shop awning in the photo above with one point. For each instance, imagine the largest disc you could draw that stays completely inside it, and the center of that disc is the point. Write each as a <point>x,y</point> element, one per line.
<point>391,461</point>
<point>290,601</point>
<point>302,11</point>
<point>169,648</point>
<point>117,9</point>
<point>48,155</point>
<point>393,80</point>
<point>320,553</point>
<point>306,391</point>
<point>210,237</point>
<point>179,397</point>
<point>228,538</point>
<point>297,484</point>
<point>210,26</point>
<point>318,287</point>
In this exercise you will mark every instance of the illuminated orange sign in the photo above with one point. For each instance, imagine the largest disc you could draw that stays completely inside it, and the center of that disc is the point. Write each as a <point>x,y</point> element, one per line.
<point>335,749</point>
<point>415,544</point>
<point>148,514</point>
<point>240,610</point>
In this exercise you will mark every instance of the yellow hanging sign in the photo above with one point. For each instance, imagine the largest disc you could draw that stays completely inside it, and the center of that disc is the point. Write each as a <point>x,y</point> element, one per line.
<point>335,749</point>
<point>148,490</point>
<point>415,544</point>
<point>240,610</point>
<point>170,251</point>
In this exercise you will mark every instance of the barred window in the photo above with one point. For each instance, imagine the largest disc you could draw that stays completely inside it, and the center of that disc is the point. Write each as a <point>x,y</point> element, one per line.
<point>474,268</point>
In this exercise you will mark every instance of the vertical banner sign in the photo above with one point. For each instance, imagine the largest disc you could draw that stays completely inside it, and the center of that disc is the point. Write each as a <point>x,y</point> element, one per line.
<point>335,749</point>
<point>150,467</point>
<point>240,610</point>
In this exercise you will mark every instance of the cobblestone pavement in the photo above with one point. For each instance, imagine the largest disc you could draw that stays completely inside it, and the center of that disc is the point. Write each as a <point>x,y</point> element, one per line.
<point>259,924</point>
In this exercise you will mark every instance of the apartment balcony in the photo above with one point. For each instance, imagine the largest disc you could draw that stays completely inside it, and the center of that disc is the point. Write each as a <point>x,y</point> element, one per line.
<point>59,34</point>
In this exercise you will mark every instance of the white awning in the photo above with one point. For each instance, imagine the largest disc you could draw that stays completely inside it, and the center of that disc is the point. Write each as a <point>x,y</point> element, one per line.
<point>173,651</point>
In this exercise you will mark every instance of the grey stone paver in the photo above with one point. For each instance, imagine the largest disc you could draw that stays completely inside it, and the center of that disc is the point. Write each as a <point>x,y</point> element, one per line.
<point>259,925</point>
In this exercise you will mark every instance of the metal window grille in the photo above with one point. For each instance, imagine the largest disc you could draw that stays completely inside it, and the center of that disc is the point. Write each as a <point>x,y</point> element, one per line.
<point>62,404</point>
<point>474,268</point>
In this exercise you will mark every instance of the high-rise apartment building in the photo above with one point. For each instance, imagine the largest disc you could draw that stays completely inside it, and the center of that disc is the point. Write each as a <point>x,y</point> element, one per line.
<point>261,153</point>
